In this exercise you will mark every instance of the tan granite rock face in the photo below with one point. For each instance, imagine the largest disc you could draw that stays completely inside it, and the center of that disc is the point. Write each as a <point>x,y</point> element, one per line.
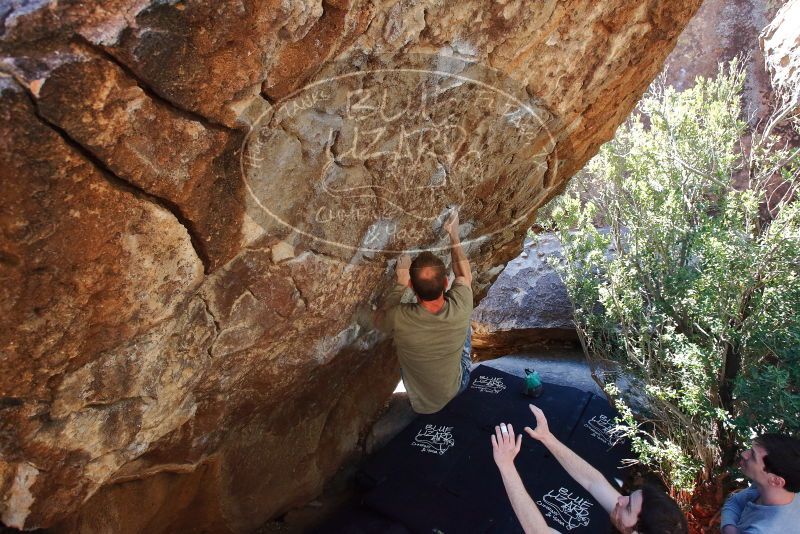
<point>186,163</point>
<point>95,279</point>
<point>199,203</point>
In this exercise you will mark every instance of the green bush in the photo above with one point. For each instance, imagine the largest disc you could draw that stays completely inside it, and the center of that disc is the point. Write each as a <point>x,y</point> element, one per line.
<point>697,304</point>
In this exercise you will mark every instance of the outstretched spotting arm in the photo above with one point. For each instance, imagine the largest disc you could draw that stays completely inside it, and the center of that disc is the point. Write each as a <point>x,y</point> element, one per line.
<point>584,474</point>
<point>505,448</point>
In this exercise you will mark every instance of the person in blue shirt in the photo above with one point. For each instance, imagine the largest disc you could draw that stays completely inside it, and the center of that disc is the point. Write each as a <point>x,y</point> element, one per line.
<point>771,503</point>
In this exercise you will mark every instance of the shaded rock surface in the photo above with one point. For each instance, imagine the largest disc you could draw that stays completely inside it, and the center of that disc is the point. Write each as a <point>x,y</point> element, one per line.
<point>177,357</point>
<point>529,293</point>
<point>527,306</point>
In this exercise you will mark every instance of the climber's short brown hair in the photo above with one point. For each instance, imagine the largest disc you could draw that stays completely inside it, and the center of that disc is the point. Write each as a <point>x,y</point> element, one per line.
<point>428,276</point>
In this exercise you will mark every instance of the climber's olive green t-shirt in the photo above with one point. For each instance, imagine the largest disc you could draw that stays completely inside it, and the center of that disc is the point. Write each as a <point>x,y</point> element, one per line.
<point>429,345</point>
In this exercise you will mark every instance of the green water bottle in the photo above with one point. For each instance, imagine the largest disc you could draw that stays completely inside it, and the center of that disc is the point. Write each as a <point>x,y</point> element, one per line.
<point>533,383</point>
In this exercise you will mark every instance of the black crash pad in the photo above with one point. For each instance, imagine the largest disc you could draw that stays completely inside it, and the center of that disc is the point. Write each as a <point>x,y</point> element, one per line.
<point>359,519</point>
<point>492,394</point>
<point>595,441</point>
<point>430,447</point>
<point>438,475</point>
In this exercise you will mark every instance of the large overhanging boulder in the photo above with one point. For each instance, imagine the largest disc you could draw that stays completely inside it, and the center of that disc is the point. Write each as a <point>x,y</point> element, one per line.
<point>199,201</point>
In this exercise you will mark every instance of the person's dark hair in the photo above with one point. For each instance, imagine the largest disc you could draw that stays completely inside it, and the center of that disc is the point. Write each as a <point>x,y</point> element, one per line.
<point>660,513</point>
<point>428,276</point>
<point>782,458</point>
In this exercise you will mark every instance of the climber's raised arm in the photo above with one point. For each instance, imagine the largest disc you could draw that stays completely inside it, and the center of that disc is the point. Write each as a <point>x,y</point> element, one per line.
<point>403,270</point>
<point>383,319</point>
<point>460,262</point>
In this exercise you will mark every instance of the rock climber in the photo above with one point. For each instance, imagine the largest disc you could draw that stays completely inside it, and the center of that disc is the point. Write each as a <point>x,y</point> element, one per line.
<point>432,336</point>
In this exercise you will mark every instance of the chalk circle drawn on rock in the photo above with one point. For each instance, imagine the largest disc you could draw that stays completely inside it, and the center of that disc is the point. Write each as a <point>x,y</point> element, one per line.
<point>367,158</point>
<point>566,509</point>
<point>488,384</point>
<point>602,428</point>
<point>435,439</point>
